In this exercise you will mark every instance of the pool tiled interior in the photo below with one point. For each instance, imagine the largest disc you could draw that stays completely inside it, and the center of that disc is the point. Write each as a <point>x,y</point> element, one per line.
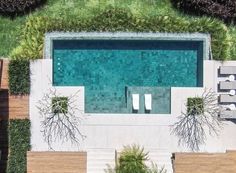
<point>111,70</point>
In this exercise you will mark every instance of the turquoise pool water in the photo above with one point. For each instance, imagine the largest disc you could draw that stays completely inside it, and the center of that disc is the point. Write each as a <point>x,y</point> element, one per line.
<point>111,70</point>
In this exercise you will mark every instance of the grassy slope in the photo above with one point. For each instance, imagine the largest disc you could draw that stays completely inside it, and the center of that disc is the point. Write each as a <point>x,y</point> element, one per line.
<point>10,29</point>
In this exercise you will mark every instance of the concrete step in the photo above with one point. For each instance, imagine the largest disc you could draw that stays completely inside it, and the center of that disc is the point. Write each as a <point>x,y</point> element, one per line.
<point>161,158</point>
<point>99,159</point>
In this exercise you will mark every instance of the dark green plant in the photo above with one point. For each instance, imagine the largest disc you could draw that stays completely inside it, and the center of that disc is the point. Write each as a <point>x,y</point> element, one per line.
<point>132,159</point>
<point>16,7</point>
<point>60,105</point>
<point>195,105</point>
<point>222,9</point>
<point>19,144</point>
<point>19,77</point>
<point>118,19</point>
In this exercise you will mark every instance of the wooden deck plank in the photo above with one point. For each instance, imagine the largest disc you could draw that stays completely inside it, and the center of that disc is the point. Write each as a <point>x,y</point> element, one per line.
<point>205,162</point>
<point>11,107</point>
<point>56,162</point>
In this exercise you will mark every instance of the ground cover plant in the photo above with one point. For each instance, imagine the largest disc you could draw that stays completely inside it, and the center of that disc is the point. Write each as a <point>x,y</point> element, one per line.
<point>118,19</point>
<point>19,77</point>
<point>19,144</point>
<point>11,30</point>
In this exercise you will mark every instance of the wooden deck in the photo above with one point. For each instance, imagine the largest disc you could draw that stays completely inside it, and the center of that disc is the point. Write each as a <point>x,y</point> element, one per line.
<point>4,74</point>
<point>11,107</point>
<point>205,162</point>
<point>56,162</point>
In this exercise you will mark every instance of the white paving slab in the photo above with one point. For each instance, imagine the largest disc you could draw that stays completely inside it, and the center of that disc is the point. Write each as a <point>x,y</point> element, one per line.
<point>113,131</point>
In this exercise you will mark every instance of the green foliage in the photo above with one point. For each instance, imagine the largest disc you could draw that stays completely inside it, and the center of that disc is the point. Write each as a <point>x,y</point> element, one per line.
<point>223,9</point>
<point>119,19</point>
<point>195,106</point>
<point>16,7</point>
<point>132,159</point>
<point>60,105</point>
<point>19,144</point>
<point>154,169</point>
<point>19,77</point>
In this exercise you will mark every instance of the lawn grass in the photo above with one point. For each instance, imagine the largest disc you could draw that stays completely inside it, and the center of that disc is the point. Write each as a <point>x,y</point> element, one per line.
<point>10,29</point>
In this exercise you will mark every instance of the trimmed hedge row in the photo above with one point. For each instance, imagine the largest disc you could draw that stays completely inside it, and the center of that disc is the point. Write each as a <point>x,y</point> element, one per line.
<point>223,9</point>
<point>19,144</point>
<point>16,7</point>
<point>19,77</point>
<point>117,19</point>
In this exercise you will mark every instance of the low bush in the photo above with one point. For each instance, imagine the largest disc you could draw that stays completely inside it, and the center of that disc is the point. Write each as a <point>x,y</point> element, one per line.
<point>223,9</point>
<point>132,159</point>
<point>16,7</point>
<point>195,106</point>
<point>19,144</point>
<point>60,105</point>
<point>19,77</point>
<point>116,19</point>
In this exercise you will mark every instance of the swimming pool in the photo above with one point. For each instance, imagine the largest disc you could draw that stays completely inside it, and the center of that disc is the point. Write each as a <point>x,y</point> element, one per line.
<point>111,70</point>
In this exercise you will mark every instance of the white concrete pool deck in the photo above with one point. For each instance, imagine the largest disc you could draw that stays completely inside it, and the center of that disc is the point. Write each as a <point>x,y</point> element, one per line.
<point>112,131</point>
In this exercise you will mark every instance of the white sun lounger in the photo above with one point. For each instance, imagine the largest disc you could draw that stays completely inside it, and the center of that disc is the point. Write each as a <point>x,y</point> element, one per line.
<point>227,85</point>
<point>148,101</point>
<point>135,101</point>
<point>225,98</point>
<point>228,70</point>
<point>228,114</point>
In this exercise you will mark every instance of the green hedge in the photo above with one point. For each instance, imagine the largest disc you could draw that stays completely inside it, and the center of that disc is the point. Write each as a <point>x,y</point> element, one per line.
<point>19,144</point>
<point>19,77</point>
<point>16,7</point>
<point>116,19</point>
<point>222,9</point>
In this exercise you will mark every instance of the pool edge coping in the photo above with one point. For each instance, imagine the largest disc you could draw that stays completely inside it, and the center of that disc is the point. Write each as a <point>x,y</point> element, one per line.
<point>50,36</point>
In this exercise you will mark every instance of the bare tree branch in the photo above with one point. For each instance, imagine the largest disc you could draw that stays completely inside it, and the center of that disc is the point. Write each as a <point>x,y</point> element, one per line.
<point>60,125</point>
<point>195,122</point>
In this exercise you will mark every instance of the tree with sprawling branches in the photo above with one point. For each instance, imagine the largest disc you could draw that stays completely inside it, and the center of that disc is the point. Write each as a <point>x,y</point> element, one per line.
<point>199,118</point>
<point>61,118</point>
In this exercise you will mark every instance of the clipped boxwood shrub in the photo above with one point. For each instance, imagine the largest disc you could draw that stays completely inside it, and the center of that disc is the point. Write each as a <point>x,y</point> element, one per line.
<point>19,77</point>
<point>223,9</point>
<point>195,105</point>
<point>117,19</point>
<point>16,7</point>
<point>19,144</point>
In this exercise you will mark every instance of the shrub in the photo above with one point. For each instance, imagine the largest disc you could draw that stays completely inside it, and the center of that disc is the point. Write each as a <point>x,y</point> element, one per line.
<point>195,106</point>
<point>19,77</point>
<point>115,19</point>
<point>60,105</point>
<point>223,9</point>
<point>16,7</point>
<point>19,144</point>
<point>132,159</point>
